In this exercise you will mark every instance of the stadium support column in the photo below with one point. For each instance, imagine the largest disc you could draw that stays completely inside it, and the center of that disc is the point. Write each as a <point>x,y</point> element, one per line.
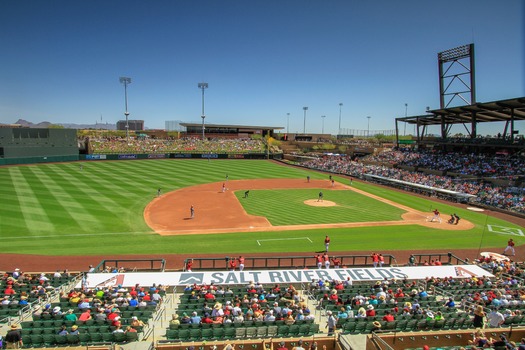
<point>474,130</point>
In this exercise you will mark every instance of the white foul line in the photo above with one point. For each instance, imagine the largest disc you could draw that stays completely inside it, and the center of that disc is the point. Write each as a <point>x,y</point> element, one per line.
<point>281,239</point>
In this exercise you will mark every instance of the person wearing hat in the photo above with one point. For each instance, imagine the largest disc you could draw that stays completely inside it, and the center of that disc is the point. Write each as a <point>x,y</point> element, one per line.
<point>185,319</point>
<point>70,316</point>
<point>370,310</point>
<point>135,322</point>
<point>377,326</point>
<point>430,315</point>
<point>56,311</point>
<point>174,319</point>
<point>331,322</point>
<point>74,330</point>
<point>13,338</point>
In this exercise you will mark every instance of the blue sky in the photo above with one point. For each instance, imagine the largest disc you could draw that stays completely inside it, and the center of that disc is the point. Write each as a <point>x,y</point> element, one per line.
<point>60,61</point>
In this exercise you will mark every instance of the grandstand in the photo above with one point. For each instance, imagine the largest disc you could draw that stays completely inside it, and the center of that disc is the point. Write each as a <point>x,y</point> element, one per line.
<point>431,305</point>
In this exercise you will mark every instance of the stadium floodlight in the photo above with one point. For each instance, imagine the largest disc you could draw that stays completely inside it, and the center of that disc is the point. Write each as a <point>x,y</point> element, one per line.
<point>406,114</point>
<point>340,106</point>
<point>287,123</point>
<point>203,86</point>
<point>126,81</point>
<point>368,128</point>
<point>322,129</point>
<point>304,120</point>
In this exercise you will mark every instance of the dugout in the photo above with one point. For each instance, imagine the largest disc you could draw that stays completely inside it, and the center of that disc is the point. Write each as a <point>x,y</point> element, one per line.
<point>30,145</point>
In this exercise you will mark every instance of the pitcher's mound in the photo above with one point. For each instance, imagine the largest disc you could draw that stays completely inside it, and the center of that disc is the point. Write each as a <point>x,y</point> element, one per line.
<point>315,203</point>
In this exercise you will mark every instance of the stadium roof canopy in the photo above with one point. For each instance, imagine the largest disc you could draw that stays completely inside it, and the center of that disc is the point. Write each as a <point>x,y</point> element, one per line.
<point>234,126</point>
<point>497,111</point>
<point>506,111</point>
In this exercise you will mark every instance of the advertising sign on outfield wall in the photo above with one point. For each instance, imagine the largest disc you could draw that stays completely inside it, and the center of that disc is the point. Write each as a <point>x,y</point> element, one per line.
<point>282,276</point>
<point>95,156</point>
<point>127,156</point>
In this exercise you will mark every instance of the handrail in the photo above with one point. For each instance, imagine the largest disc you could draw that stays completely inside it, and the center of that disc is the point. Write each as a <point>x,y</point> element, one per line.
<point>378,339</point>
<point>283,262</point>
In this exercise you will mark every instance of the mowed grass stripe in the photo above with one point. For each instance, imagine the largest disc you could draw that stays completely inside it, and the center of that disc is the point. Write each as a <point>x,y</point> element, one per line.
<point>61,204</point>
<point>35,217</point>
<point>287,207</point>
<point>11,217</point>
<point>103,208</point>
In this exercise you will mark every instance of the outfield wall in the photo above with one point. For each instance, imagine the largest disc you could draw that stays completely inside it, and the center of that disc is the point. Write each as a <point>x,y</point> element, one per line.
<point>209,156</point>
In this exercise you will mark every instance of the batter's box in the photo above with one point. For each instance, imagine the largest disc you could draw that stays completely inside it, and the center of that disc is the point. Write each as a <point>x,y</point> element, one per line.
<point>506,230</point>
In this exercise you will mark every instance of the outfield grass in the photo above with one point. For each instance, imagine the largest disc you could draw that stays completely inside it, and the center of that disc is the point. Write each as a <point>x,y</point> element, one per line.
<point>58,209</point>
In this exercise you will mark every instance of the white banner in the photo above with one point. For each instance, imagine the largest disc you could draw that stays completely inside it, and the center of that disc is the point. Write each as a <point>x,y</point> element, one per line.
<point>281,276</point>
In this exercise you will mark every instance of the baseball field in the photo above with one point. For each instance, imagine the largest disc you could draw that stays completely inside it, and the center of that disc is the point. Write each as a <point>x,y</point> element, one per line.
<point>108,208</point>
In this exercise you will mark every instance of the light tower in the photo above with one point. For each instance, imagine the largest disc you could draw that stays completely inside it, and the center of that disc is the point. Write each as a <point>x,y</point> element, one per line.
<point>203,86</point>
<point>322,129</point>
<point>126,81</point>
<point>287,123</point>
<point>340,106</point>
<point>304,120</point>
<point>406,113</point>
<point>368,128</point>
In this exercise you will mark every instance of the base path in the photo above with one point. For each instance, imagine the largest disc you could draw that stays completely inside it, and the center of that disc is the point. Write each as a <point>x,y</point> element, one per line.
<point>218,211</point>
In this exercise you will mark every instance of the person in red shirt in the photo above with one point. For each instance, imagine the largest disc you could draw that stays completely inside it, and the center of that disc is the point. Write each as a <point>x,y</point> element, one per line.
<point>112,314</point>
<point>388,316</point>
<point>370,310</point>
<point>86,315</point>
<point>9,290</point>
<point>207,319</point>
<point>189,265</point>
<point>381,260</point>
<point>326,244</point>
<point>336,262</point>
<point>209,296</point>
<point>232,265</point>
<point>326,259</point>
<point>375,259</point>
<point>240,260</point>
<point>319,261</point>
<point>509,250</point>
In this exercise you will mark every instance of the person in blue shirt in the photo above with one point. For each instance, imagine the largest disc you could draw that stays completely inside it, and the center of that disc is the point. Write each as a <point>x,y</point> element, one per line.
<point>450,303</point>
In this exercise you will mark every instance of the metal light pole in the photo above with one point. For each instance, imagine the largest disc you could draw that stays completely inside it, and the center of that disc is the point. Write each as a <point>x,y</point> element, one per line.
<point>203,86</point>
<point>304,120</point>
<point>287,123</point>
<point>406,113</point>
<point>368,128</point>
<point>340,106</point>
<point>126,81</point>
<point>322,129</point>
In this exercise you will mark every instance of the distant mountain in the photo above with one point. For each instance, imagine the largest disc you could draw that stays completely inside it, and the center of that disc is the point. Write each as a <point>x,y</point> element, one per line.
<point>67,126</point>
<point>90,126</point>
<point>33,125</point>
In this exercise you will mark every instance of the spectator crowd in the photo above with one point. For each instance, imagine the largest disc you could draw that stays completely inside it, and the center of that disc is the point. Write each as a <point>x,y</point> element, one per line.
<point>182,145</point>
<point>506,198</point>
